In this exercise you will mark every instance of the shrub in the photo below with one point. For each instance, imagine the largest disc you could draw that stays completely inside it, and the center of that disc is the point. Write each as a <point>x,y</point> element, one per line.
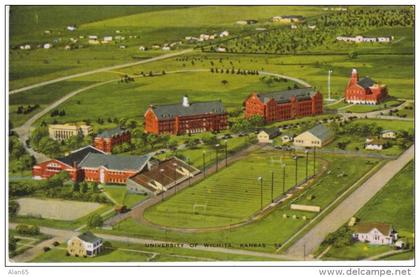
<point>46,249</point>
<point>25,229</point>
<point>95,221</point>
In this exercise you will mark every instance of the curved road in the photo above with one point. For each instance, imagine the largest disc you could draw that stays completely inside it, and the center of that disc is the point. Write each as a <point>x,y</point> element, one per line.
<point>109,68</point>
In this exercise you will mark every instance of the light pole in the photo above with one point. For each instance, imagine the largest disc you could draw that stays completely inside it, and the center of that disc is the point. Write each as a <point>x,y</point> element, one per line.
<point>163,192</point>
<point>175,166</point>
<point>272,186</point>
<point>204,164</point>
<point>226,153</point>
<point>217,157</point>
<point>296,169</point>
<point>329,84</point>
<point>314,159</point>
<point>284,177</point>
<point>261,192</point>
<point>307,158</point>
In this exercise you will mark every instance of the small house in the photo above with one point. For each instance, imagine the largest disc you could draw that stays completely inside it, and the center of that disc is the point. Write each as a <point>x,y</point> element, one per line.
<point>142,48</point>
<point>374,144</point>
<point>166,48</point>
<point>317,136</point>
<point>388,134</point>
<point>224,34</point>
<point>375,233</point>
<point>85,245</point>
<point>267,135</point>
<point>71,28</point>
<point>220,49</point>
<point>107,39</point>
<point>47,46</point>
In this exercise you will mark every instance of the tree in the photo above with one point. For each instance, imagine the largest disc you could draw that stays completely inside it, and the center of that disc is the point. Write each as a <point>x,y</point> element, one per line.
<point>152,139</point>
<point>12,243</point>
<point>95,221</point>
<point>209,139</point>
<point>224,82</point>
<point>58,180</point>
<point>256,120</point>
<point>83,187</point>
<point>76,187</point>
<point>353,55</point>
<point>13,208</point>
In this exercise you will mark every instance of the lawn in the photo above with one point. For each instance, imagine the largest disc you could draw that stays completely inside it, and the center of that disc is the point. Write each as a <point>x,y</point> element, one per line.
<point>230,196</point>
<point>264,235</point>
<point>386,207</point>
<point>396,125</point>
<point>120,194</point>
<point>390,103</point>
<point>129,252</point>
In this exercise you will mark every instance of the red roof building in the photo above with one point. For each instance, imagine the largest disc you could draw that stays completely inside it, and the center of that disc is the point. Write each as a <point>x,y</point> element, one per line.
<point>284,105</point>
<point>364,91</point>
<point>185,118</point>
<point>106,140</point>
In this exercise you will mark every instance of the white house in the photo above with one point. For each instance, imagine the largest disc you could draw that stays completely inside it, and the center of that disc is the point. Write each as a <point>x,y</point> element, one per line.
<point>286,139</point>
<point>388,134</point>
<point>267,135</point>
<point>47,46</point>
<point>224,34</point>
<point>220,49</point>
<point>85,245</point>
<point>374,144</point>
<point>142,48</point>
<point>25,47</point>
<point>166,48</point>
<point>317,136</point>
<point>107,39</point>
<point>375,233</point>
<point>71,28</point>
<point>67,47</point>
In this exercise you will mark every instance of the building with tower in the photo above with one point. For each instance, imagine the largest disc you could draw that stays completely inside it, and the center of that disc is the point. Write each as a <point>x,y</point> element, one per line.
<point>364,91</point>
<point>185,117</point>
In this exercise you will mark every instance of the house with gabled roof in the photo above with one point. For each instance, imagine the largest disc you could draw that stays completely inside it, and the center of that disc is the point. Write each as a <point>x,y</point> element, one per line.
<point>106,140</point>
<point>85,245</point>
<point>365,90</point>
<point>185,117</point>
<point>284,105</point>
<point>267,135</point>
<point>67,163</point>
<point>317,136</point>
<point>375,233</point>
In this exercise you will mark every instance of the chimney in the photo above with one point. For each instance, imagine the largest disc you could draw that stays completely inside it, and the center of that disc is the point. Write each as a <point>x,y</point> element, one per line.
<point>185,101</point>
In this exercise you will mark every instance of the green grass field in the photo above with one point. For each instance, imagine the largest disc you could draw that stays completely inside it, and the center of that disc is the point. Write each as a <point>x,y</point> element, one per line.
<point>232,195</point>
<point>396,125</point>
<point>386,207</point>
<point>369,108</point>
<point>121,196</point>
<point>128,252</point>
<point>264,235</point>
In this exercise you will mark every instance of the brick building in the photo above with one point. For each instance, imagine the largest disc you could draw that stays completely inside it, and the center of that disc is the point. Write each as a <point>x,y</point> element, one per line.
<point>91,164</point>
<point>284,105</point>
<point>364,91</point>
<point>68,163</point>
<point>185,117</point>
<point>106,140</point>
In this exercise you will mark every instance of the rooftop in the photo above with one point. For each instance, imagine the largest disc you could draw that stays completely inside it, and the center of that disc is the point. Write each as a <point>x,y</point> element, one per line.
<point>115,162</point>
<point>366,82</point>
<point>322,132</point>
<point>78,155</point>
<point>384,228</point>
<point>112,132</point>
<point>285,95</point>
<point>195,108</point>
<point>88,237</point>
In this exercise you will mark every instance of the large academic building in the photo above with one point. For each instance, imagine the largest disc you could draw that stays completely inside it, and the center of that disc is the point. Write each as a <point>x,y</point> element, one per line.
<point>284,105</point>
<point>185,117</point>
<point>106,140</point>
<point>364,91</point>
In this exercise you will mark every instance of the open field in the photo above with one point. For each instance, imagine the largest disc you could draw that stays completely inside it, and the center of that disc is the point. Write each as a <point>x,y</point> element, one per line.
<point>232,195</point>
<point>264,235</point>
<point>124,252</point>
<point>396,125</point>
<point>121,196</point>
<point>55,209</point>
<point>385,207</point>
<point>370,108</point>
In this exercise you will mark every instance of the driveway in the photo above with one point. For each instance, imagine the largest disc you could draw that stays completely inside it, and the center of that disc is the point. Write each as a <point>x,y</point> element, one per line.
<point>346,209</point>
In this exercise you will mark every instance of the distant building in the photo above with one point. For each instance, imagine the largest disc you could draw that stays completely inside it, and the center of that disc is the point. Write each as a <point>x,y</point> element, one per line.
<point>155,46</point>
<point>106,140</point>
<point>247,22</point>
<point>361,39</point>
<point>161,176</point>
<point>224,34</point>
<point>71,28</point>
<point>185,117</point>
<point>25,47</point>
<point>47,46</point>
<point>318,136</point>
<point>166,48</point>
<point>287,18</point>
<point>267,135</point>
<point>220,49</point>
<point>284,105</point>
<point>142,48</point>
<point>85,245</point>
<point>65,131</point>
<point>364,91</point>
<point>107,39</point>
<point>375,233</point>
<point>388,134</point>
<point>286,138</point>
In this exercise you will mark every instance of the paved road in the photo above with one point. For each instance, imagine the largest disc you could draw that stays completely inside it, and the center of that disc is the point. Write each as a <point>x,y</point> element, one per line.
<point>299,81</point>
<point>109,68</point>
<point>24,130</point>
<point>346,209</point>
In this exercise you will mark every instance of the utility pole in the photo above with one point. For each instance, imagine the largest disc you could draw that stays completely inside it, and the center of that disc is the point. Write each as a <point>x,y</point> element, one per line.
<point>314,158</point>
<point>307,157</point>
<point>296,169</point>
<point>204,164</point>
<point>226,153</point>
<point>284,177</point>
<point>329,84</point>
<point>272,186</point>
<point>261,192</point>
<point>217,157</point>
